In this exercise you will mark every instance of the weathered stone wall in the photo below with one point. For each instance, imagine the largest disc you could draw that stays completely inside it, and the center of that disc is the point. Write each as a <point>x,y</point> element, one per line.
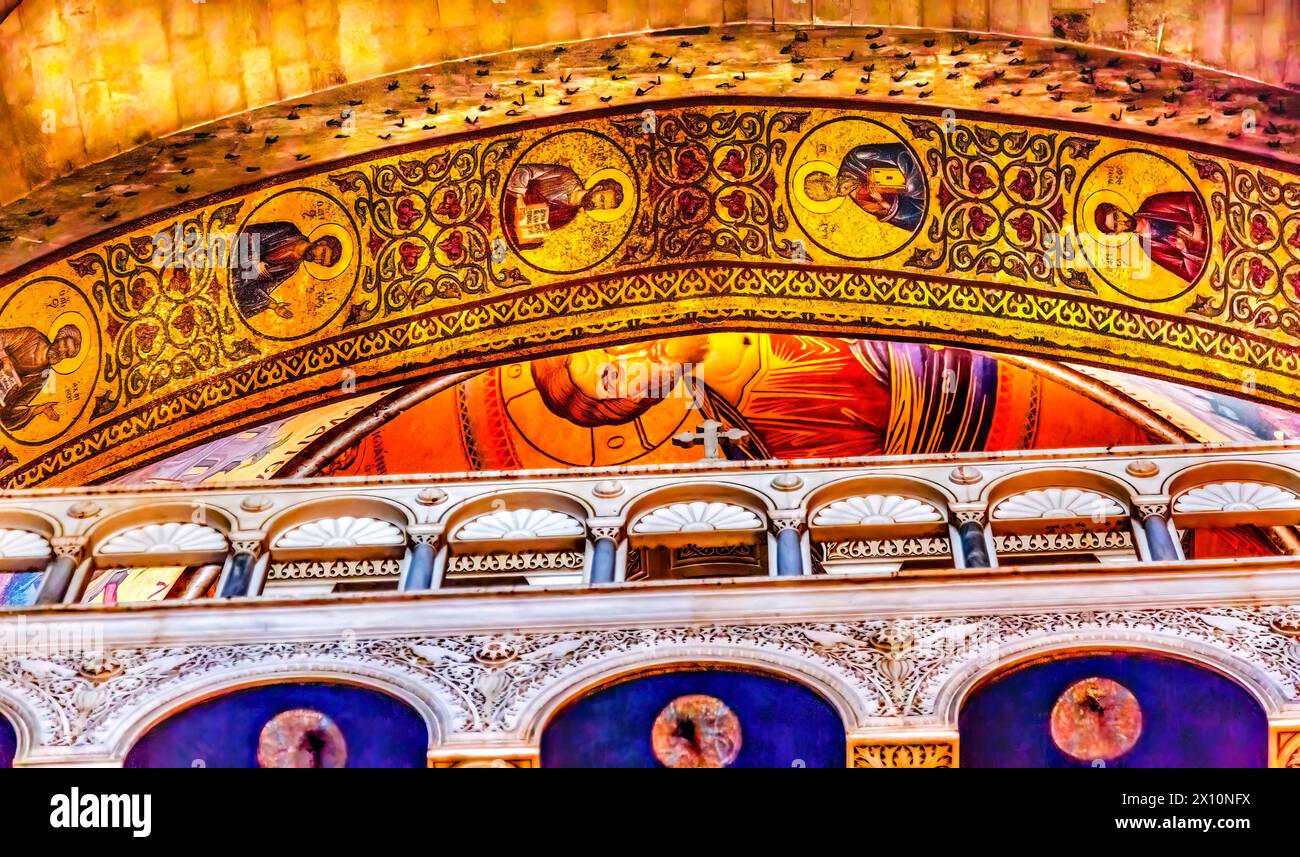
<point>81,80</point>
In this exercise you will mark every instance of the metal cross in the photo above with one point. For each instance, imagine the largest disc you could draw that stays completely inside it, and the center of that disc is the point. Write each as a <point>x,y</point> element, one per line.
<point>710,435</point>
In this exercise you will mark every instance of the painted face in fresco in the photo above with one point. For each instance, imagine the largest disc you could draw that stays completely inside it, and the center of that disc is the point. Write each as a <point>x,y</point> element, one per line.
<point>1113,219</point>
<point>66,345</point>
<point>611,386</point>
<point>606,195</point>
<point>823,187</point>
<point>327,251</point>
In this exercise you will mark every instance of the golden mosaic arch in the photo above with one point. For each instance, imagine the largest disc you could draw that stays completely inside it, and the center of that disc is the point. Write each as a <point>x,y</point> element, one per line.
<point>495,246</point>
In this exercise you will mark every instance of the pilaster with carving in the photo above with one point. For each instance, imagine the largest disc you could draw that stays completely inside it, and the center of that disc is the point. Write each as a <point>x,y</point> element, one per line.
<point>920,752</point>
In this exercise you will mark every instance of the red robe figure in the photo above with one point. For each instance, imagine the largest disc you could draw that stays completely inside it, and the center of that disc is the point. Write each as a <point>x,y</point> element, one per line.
<point>541,198</point>
<point>1172,225</point>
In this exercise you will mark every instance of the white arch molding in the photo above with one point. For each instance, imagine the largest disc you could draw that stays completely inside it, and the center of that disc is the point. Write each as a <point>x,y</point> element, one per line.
<point>847,702</point>
<point>26,723</point>
<point>1063,475</point>
<point>977,671</point>
<point>419,696</point>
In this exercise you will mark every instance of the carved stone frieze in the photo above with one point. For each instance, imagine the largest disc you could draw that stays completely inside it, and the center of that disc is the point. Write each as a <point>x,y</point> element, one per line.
<point>492,684</point>
<point>922,754</point>
<point>1286,749</point>
<point>514,563</point>
<point>334,570</point>
<point>885,549</point>
<point>1089,540</point>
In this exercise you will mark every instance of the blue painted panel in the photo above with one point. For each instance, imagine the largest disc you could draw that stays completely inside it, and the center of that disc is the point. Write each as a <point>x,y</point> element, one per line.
<point>1191,716</point>
<point>381,732</point>
<point>8,743</point>
<point>783,724</point>
<point>18,589</point>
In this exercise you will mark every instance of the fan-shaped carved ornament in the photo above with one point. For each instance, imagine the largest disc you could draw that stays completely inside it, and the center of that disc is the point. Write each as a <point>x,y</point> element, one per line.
<point>1057,503</point>
<point>512,524</point>
<point>344,532</point>
<point>1235,497</point>
<point>697,517</point>
<point>165,538</point>
<point>875,510</point>
<point>22,544</point>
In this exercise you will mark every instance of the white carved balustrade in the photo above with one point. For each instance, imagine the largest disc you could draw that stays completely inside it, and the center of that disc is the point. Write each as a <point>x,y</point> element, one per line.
<point>325,555</point>
<point>685,538</point>
<point>878,533</point>
<point>869,518</point>
<point>520,545</point>
<point>1061,524</point>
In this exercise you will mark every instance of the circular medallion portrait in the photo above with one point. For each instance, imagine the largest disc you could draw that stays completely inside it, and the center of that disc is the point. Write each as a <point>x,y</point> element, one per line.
<point>1142,226</point>
<point>569,202</point>
<point>696,731</point>
<point>293,264</point>
<point>49,360</point>
<point>301,738</point>
<point>1096,719</point>
<point>857,189</point>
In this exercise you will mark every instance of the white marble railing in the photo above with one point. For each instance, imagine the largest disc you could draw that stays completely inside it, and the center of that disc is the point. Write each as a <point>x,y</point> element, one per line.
<point>881,517</point>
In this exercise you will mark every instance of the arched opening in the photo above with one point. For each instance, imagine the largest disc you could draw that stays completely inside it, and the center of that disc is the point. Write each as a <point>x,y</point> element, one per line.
<point>156,552</point>
<point>1126,709</point>
<point>8,742</point>
<point>515,538</point>
<point>879,526</point>
<point>1234,509</point>
<point>299,724</point>
<point>694,715</point>
<point>347,544</point>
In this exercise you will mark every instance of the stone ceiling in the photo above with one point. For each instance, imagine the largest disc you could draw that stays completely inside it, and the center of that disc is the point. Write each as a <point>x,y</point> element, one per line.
<point>1011,77</point>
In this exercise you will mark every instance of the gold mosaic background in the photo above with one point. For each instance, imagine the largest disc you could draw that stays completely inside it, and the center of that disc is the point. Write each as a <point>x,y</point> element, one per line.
<point>432,272</point>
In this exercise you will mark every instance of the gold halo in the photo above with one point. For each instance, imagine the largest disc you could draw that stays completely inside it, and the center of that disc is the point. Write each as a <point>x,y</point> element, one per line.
<point>320,272</point>
<point>1088,219</point>
<point>608,215</point>
<point>801,196</point>
<point>77,320</point>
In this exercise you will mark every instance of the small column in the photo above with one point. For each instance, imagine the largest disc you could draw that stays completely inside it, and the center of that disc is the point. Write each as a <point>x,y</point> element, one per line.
<point>423,540</point>
<point>199,583</point>
<point>788,524</point>
<point>1161,546</point>
<point>62,566</point>
<point>604,552</point>
<point>243,557</point>
<point>971,537</point>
